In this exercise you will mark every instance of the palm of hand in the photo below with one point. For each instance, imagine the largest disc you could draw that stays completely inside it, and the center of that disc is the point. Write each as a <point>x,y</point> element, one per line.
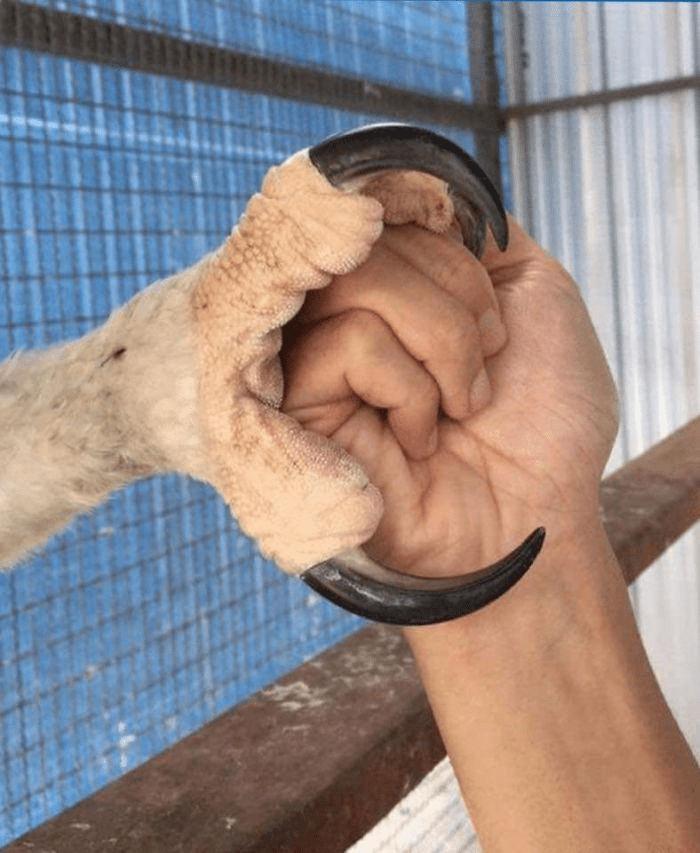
<point>535,452</point>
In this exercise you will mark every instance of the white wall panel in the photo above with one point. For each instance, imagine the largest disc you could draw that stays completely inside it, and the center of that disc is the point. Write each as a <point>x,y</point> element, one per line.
<point>613,191</point>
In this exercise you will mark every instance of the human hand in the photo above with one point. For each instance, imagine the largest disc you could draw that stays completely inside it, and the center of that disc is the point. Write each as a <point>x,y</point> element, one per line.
<point>466,466</point>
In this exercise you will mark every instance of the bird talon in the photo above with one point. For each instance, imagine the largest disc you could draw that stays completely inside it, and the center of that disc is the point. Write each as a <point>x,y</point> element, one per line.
<point>379,147</point>
<point>367,588</point>
<point>398,599</point>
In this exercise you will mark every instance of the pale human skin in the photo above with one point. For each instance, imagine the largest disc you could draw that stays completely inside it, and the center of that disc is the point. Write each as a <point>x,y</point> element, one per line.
<point>556,727</point>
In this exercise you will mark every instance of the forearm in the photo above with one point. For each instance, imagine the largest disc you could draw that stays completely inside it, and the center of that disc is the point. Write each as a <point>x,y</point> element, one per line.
<point>80,420</point>
<point>554,722</point>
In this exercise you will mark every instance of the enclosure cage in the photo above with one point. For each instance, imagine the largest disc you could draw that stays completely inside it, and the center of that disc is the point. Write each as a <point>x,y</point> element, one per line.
<point>161,684</point>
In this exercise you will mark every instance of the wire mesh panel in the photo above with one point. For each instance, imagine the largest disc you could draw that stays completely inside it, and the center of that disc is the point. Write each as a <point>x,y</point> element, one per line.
<point>416,44</point>
<point>144,620</point>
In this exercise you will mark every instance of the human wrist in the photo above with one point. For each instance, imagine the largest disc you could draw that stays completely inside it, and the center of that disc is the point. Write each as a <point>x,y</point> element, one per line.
<point>549,690</point>
<point>574,584</point>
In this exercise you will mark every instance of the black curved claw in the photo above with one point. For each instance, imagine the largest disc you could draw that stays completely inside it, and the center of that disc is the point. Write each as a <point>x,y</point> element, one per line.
<point>377,147</point>
<point>377,592</point>
<point>398,599</point>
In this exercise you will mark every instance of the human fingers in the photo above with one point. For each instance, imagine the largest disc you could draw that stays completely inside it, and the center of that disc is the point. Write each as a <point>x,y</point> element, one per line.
<point>456,271</point>
<point>523,254</point>
<point>554,367</point>
<point>355,358</point>
<point>435,320</point>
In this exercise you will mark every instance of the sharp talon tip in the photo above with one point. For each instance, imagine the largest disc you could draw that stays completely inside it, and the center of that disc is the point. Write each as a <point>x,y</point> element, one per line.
<point>378,147</point>
<point>398,599</point>
<point>388,596</point>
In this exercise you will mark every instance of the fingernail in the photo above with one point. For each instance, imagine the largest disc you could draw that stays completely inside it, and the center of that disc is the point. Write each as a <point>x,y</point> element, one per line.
<point>492,331</point>
<point>480,392</point>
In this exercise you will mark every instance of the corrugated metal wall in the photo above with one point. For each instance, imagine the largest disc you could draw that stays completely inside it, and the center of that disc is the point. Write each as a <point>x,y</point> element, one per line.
<point>613,191</point>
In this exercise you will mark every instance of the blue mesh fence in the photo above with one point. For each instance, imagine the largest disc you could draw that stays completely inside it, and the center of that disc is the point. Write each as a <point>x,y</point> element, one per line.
<point>146,619</point>
<point>417,44</point>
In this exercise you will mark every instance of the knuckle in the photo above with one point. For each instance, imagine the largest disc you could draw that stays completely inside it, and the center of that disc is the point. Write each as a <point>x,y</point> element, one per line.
<point>426,390</point>
<point>420,392</point>
<point>362,331</point>
<point>458,266</point>
<point>456,334</point>
<point>465,278</point>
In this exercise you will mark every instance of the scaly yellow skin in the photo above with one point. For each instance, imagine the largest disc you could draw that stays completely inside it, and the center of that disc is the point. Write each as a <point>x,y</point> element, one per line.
<point>186,377</point>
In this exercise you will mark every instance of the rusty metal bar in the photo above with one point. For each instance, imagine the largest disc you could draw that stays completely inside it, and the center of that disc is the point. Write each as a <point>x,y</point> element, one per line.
<point>311,763</point>
<point>652,500</point>
<point>314,761</point>
<point>485,86</point>
<point>82,37</point>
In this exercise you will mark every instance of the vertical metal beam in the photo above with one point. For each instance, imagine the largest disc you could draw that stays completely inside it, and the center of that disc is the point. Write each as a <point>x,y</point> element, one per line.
<point>515,92</point>
<point>485,86</point>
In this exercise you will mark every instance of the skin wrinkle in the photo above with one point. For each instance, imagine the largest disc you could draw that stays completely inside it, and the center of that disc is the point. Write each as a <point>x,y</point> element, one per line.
<point>384,450</point>
<point>403,302</point>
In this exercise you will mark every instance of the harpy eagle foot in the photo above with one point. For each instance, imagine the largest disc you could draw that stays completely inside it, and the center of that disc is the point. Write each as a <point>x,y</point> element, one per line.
<point>355,582</point>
